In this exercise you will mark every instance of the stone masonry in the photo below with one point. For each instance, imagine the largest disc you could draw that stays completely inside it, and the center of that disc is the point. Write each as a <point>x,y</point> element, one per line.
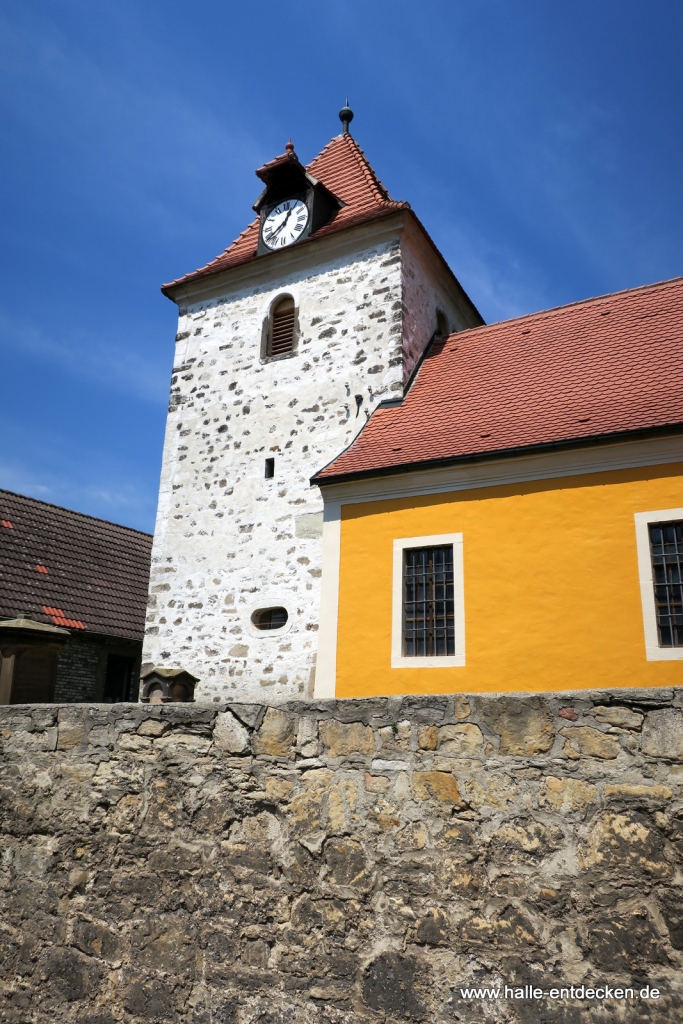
<point>348,861</point>
<point>227,540</point>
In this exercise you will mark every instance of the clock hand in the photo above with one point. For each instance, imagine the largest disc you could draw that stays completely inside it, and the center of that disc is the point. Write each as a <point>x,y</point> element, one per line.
<point>278,229</point>
<point>285,220</point>
<point>280,226</point>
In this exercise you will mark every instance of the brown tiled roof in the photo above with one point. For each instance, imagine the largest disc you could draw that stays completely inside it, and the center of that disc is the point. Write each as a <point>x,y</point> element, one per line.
<point>605,366</point>
<point>343,168</point>
<point>68,569</point>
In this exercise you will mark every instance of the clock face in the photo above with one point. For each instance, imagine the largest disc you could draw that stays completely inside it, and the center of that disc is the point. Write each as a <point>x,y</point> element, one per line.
<point>285,223</point>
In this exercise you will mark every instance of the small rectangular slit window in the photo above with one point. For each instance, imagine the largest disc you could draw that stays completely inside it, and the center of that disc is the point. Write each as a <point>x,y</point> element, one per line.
<point>666,552</point>
<point>270,469</point>
<point>282,328</point>
<point>428,602</point>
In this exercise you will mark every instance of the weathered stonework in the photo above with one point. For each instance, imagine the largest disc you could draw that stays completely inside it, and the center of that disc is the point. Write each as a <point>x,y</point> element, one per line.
<point>332,861</point>
<point>227,540</point>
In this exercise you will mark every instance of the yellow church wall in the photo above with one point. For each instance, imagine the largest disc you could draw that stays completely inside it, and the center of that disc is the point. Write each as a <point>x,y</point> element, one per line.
<point>551,584</point>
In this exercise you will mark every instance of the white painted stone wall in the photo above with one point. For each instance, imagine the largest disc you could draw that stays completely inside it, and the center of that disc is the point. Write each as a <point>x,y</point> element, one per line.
<point>227,540</point>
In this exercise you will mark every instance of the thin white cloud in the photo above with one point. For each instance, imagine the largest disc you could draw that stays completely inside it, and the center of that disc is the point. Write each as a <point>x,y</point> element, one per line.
<point>112,366</point>
<point>117,499</point>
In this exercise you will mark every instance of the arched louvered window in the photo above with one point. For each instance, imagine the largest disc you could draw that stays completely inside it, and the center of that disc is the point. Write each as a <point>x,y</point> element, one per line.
<point>282,328</point>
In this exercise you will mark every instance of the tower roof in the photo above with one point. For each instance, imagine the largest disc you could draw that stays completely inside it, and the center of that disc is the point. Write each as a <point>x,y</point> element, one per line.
<point>343,168</point>
<point>601,369</point>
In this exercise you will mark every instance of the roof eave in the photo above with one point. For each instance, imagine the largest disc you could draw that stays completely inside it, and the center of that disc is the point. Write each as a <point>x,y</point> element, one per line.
<point>501,453</point>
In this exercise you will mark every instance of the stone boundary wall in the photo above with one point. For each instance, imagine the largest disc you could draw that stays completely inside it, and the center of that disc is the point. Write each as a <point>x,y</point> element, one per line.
<point>339,861</point>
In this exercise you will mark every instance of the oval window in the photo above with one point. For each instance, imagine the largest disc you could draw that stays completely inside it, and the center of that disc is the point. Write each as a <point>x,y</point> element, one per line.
<point>270,618</point>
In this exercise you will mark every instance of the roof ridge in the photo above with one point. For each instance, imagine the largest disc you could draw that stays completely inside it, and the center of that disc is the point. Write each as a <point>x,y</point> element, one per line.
<point>73,512</point>
<point>225,252</point>
<point>324,149</point>
<point>568,305</point>
<point>367,168</point>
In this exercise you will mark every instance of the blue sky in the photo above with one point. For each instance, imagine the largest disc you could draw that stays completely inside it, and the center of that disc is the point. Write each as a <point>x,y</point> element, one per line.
<point>540,144</point>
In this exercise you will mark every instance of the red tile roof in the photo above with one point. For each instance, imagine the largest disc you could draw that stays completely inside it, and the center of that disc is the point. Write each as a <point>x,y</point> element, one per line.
<point>97,575</point>
<point>343,168</point>
<point>605,366</point>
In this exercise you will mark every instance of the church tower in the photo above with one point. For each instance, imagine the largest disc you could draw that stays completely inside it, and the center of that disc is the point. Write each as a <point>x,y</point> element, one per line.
<point>286,344</point>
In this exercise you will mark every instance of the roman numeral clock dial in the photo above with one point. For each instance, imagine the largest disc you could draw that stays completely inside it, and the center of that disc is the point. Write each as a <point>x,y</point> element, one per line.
<point>285,223</point>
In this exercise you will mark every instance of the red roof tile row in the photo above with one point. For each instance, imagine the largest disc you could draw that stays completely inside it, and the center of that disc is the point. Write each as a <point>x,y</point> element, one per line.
<point>60,619</point>
<point>609,365</point>
<point>343,168</point>
<point>91,574</point>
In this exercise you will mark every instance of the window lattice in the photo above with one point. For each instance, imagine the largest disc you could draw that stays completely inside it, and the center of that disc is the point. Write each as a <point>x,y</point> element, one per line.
<point>428,602</point>
<point>666,549</point>
<point>282,328</point>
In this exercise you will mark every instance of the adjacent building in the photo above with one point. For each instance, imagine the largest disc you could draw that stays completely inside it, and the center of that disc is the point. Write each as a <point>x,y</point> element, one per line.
<point>85,578</point>
<point>515,521</point>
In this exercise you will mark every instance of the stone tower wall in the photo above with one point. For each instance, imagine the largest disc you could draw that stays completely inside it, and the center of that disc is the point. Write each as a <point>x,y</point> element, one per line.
<point>425,290</point>
<point>343,862</point>
<point>227,540</point>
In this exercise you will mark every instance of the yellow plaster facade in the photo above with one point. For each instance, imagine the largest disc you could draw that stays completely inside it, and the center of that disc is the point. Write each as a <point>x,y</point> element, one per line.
<point>551,585</point>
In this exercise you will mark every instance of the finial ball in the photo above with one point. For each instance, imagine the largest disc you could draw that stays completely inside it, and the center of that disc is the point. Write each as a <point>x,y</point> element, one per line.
<point>346,116</point>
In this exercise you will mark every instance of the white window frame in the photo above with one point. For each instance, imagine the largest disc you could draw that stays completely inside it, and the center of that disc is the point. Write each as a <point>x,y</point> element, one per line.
<point>398,659</point>
<point>653,652</point>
